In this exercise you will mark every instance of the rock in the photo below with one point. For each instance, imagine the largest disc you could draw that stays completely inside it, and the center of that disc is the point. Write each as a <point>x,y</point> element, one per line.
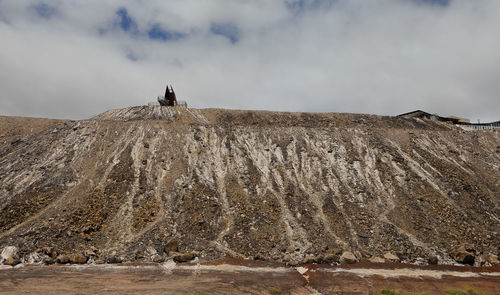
<point>335,250</point>
<point>184,257</point>
<point>172,246</point>
<point>114,259</point>
<point>363,235</point>
<point>318,259</point>
<point>432,260</point>
<point>309,259</point>
<point>420,261</point>
<point>49,260</point>
<point>348,258</point>
<point>12,261</point>
<point>261,257</point>
<point>9,255</point>
<point>286,258</point>
<point>391,257</point>
<point>490,259</point>
<point>139,254</point>
<point>34,257</point>
<point>51,252</point>
<point>77,258</point>
<point>158,258</point>
<point>377,259</point>
<point>461,255</point>
<point>63,259</point>
<point>331,258</point>
<point>151,251</point>
<point>90,252</point>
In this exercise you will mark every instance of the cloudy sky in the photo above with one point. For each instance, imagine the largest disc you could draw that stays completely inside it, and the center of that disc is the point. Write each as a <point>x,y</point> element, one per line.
<point>77,58</point>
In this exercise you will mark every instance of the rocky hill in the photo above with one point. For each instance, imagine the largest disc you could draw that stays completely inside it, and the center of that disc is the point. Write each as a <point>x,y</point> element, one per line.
<point>148,183</point>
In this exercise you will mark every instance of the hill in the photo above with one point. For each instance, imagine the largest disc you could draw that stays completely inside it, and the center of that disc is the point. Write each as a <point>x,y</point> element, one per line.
<point>146,183</point>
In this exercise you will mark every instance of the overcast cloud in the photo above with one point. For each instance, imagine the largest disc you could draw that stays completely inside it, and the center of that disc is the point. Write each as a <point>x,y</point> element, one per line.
<point>77,58</point>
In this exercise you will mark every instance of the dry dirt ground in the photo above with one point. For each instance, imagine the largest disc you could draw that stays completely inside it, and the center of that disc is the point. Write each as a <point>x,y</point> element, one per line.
<point>237,277</point>
<point>148,183</point>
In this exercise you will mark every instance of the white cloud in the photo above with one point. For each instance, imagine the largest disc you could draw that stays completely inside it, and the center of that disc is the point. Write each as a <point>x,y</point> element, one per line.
<point>380,56</point>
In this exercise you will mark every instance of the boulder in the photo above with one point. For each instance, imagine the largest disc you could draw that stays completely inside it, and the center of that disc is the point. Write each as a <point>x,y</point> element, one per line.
<point>52,252</point>
<point>77,258</point>
<point>293,262</point>
<point>151,251</point>
<point>432,260</point>
<point>420,261</point>
<point>261,257</point>
<point>391,257</point>
<point>9,256</point>
<point>331,258</point>
<point>63,259</point>
<point>114,259</point>
<point>34,257</point>
<point>377,260</point>
<point>157,258</point>
<point>462,255</point>
<point>348,258</point>
<point>184,257</point>
<point>489,259</point>
<point>309,259</point>
<point>172,246</point>
<point>335,250</point>
<point>12,261</point>
<point>49,260</point>
<point>286,258</point>
<point>91,252</point>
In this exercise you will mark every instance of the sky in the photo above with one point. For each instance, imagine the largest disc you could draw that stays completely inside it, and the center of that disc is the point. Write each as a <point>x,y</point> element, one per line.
<point>74,59</point>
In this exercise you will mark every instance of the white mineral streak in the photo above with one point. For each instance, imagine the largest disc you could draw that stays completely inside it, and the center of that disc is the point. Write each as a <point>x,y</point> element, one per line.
<point>170,266</point>
<point>407,272</point>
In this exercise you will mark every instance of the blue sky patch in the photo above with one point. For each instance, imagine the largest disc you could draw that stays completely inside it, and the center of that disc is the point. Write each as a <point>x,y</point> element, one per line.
<point>433,2</point>
<point>126,22</point>
<point>131,56</point>
<point>156,32</point>
<point>299,6</point>
<point>45,10</point>
<point>228,30</point>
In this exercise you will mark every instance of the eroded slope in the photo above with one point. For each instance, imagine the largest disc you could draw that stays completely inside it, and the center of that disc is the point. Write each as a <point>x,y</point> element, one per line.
<point>143,181</point>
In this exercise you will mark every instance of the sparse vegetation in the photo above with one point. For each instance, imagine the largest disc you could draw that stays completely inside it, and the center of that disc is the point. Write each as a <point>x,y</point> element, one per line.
<point>274,290</point>
<point>388,292</point>
<point>467,291</point>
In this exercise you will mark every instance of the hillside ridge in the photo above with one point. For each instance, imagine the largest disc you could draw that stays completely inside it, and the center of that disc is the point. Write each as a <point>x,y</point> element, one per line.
<point>148,183</point>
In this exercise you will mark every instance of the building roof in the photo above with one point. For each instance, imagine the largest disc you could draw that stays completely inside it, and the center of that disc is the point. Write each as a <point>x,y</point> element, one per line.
<point>453,119</point>
<point>420,113</point>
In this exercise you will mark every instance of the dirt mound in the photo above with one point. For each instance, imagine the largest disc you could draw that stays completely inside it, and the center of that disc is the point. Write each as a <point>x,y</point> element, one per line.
<point>148,183</point>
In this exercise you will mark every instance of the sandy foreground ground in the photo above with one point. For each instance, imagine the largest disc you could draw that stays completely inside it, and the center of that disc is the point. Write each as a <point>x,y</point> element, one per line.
<point>233,277</point>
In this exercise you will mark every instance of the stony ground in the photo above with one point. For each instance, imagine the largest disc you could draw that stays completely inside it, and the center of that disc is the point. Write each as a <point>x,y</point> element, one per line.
<point>149,183</point>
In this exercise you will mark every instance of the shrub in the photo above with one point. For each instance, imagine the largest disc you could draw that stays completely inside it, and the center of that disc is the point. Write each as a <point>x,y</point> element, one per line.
<point>467,291</point>
<point>274,290</point>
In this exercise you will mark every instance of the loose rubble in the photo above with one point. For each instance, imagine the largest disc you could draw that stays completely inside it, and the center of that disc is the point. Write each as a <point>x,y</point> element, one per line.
<point>157,184</point>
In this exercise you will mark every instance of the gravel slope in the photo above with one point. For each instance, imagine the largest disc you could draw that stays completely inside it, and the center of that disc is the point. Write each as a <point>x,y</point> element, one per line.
<point>145,183</point>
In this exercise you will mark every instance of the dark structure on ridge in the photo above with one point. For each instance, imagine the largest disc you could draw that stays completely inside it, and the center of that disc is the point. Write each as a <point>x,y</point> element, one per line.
<point>169,99</point>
